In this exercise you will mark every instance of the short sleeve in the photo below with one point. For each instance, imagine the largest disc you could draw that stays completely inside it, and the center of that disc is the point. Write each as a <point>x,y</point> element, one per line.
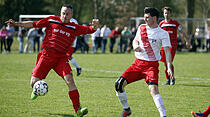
<point>165,39</point>
<point>41,23</point>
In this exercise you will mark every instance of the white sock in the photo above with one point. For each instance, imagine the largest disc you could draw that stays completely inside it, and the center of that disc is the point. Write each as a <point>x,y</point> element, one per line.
<point>123,99</point>
<point>73,61</point>
<point>159,104</point>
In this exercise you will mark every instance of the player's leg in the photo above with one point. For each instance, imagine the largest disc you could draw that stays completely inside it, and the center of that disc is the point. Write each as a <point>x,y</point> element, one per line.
<point>207,111</point>
<point>166,74</point>
<point>152,80</point>
<point>173,52</point>
<point>74,96</point>
<point>73,61</point>
<point>197,114</point>
<point>132,74</point>
<point>204,114</point>
<point>122,96</point>
<point>157,99</point>
<point>79,69</point>
<point>63,69</point>
<point>33,81</point>
<point>163,59</point>
<point>40,71</point>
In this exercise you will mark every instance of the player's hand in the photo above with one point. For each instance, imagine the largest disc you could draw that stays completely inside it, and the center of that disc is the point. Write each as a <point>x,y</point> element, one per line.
<point>95,23</point>
<point>171,74</point>
<point>138,49</point>
<point>10,22</point>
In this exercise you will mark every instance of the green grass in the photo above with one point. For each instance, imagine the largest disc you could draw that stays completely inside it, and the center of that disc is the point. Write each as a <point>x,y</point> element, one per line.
<point>96,87</point>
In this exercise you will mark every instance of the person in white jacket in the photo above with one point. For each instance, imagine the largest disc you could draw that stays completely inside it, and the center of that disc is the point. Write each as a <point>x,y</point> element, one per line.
<point>105,31</point>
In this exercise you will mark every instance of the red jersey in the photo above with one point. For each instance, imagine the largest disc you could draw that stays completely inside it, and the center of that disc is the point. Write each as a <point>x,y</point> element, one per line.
<point>115,34</point>
<point>171,27</point>
<point>60,36</point>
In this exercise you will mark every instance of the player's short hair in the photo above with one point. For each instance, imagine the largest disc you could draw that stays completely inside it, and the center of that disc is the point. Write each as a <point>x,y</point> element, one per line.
<point>153,11</point>
<point>167,8</point>
<point>68,6</point>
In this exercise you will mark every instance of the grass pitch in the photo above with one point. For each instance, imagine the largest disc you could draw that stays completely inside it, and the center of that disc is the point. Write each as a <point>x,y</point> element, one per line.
<point>96,87</point>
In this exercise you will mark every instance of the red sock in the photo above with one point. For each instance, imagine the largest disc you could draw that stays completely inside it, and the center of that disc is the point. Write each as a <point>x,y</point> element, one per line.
<point>167,77</point>
<point>207,112</point>
<point>74,96</point>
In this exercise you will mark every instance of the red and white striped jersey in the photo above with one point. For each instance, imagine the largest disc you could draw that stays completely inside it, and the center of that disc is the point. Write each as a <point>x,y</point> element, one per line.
<point>150,41</point>
<point>60,36</point>
<point>171,27</point>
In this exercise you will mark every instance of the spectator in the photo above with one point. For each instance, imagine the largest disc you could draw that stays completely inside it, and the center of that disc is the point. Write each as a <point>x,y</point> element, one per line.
<point>105,31</point>
<point>130,41</point>
<point>37,40</point>
<point>116,33</point>
<point>126,34</point>
<point>208,40</point>
<point>82,43</point>
<point>3,35</point>
<point>30,40</point>
<point>21,35</point>
<point>199,37</point>
<point>11,31</point>
<point>96,40</point>
<point>42,37</point>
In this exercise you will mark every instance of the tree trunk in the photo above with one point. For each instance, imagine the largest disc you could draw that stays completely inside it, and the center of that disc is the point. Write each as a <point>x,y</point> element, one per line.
<point>190,14</point>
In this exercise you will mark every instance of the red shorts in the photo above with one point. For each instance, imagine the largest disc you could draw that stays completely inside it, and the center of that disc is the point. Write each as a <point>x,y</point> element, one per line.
<point>46,62</point>
<point>70,52</point>
<point>141,69</point>
<point>163,56</point>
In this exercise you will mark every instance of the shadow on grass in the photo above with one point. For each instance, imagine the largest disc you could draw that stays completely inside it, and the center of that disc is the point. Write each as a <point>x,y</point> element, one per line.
<point>193,85</point>
<point>62,115</point>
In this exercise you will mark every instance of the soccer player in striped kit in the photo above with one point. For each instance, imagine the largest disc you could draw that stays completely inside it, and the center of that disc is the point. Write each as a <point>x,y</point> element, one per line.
<point>171,26</point>
<point>60,35</point>
<point>146,44</point>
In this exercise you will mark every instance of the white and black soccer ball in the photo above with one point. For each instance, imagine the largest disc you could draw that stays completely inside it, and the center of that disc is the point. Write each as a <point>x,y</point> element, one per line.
<point>40,88</point>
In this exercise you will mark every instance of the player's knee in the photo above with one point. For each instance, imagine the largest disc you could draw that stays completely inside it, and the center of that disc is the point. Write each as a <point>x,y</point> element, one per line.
<point>69,79</point>
<point>153,90</point>
<point>33,81</point>
<point>119,84</point>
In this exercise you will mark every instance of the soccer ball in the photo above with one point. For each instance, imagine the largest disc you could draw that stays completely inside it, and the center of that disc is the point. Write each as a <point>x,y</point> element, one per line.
<point>40,88</point>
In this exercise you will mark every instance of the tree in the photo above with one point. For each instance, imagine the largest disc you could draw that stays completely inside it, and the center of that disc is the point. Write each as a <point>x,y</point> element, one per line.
<point>190,14</point>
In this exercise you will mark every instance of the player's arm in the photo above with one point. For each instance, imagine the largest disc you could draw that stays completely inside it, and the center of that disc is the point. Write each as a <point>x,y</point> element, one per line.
<point>136,46</point>
<point>169,61</point>
<point>82,30</point>
<point>187,40</point>
<point>25,24</point>
<point>135,43</point>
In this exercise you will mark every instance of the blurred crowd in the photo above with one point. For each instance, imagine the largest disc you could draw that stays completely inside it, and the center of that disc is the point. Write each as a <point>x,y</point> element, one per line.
<point>104,40</point>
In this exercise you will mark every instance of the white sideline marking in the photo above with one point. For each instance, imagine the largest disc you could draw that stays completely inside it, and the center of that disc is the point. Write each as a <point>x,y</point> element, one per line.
<point>120,72</point>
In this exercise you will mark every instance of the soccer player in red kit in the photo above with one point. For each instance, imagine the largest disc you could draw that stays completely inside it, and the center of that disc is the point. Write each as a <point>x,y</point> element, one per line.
<point>171,26</point>
<point>146,44</point>
<point>204,114</point>
<point>60,35</point>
